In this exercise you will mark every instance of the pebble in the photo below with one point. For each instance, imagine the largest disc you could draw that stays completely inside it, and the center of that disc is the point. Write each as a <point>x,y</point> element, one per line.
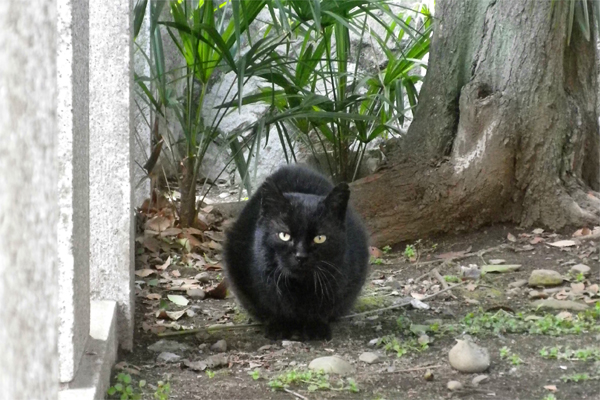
<point>467,356</point>
<point>331,364</point>
<point>217,360</point>
<point>167,357</point>
<point>169,346</point>
<point>219,347</point>
<point>290,343</point>
<point>534,294</point>
<point>428,375</point>
<point>478,379</point>
<point>545,277</point>
<point>196,293</point>
<point>554,304</point>
<point>265,347</point>
<point>203,277</point>
<point>373,342</point>
<point>370,358</point>
<point>581,269</point>
<point>454,385</point>
<point>497,261</point>
<point>424,339</point>
<point>518,284</point>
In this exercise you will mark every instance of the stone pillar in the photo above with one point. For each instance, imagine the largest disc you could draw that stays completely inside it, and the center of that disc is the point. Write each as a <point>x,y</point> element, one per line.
<point>28,201</point>
<point>73,184</point>
<point>142,114</point>
<point>112,228</point>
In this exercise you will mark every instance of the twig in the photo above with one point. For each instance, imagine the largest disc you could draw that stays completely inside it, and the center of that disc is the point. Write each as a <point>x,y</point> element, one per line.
<point>400,305</point>
<point>412,369</point>
<point>210,328</point>
<point>439,277</point>
<point>298,395</point>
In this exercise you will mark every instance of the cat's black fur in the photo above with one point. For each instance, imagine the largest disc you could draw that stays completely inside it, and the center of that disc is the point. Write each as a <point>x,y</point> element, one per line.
<point>297,286</point>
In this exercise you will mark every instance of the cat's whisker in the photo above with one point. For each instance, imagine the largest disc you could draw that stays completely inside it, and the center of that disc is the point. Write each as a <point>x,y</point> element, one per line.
<point>332,266</point>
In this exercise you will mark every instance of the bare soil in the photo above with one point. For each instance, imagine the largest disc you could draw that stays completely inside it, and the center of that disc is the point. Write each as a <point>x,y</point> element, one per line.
<point>391,279</point>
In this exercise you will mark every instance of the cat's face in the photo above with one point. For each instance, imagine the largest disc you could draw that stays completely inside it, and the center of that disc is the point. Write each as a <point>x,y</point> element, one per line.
<point>305,233</point>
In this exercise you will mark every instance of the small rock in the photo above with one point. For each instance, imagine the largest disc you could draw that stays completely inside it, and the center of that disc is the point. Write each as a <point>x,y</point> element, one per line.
<point>196,293</point>
<point>428,375</point>
<point>195,365</point>
<point>265,347</point>
<point>370,358</point>
<point>500,268</point>
<point>290,343</point>
<point>580,269</point>
<point>168,346</point>
<point>190,313</point>
<point>478,379</point>
<point>217,360</point>
<point>554,304</point>
<point>203,277</point>
<point>167,357</point>
<point>373,342</point>
<point>424,339</point>
<point>454,385</point>
<point>497,261</point>
<point>545,277</point>
<point>564,315</point>
<point>219,347</point>
<point>534,294</point>
<point>468,357</point>
<point>518,284</point>
<point>331,364</point>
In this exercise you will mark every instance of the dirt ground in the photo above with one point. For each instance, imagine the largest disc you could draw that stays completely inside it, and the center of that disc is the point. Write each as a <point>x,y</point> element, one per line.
<point>493,314</point>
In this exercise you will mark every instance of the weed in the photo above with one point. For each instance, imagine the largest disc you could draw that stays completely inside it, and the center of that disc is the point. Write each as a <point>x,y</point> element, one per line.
<point>391,343</point>
<point>549,397</point>
<point>254,374</point>
<point>386,249</point>
<point>376,261</point>
<point>575,377</point>
<point>451,278</point>
<point>315,380</point>
<point>410,251</point>
<point>124,388</point>
<point>580,277</point>
<point>590,353</point>
<point>210,374</point>
<point>163,390</point>
<point>504,352</point>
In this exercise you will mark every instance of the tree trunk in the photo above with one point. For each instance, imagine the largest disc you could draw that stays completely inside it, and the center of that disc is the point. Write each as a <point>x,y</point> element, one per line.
<point>506,128</point>
<point>187,212</point>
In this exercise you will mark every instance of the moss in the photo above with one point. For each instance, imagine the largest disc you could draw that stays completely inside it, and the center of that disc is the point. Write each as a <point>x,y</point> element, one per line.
<point>368,303</point>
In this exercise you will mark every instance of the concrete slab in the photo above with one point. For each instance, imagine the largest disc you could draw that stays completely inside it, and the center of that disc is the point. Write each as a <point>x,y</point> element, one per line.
<point>93,375</point>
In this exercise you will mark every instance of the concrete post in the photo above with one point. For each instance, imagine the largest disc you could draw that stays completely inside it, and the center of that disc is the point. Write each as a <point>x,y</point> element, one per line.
<point>28,201</point>
<point>112,228</point>
<point>73,184</point>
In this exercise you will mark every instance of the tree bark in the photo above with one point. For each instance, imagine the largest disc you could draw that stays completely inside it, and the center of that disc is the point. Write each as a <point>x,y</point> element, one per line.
<point>506,128</point>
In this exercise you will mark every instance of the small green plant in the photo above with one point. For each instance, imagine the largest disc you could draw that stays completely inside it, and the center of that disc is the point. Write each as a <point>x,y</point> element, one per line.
<point>410,251</point>
<point>504,352</point>
<point>210,374</point>
<point>386,249</point>
<point>255,374</point>
<point>575,377</point>
<point>549,397</point>
<point>590,353</point>
<point>124,389</point>
<point>163,391</point>
<point>580,277</point>
<point>391,343</point>
<point>376,261</point>
<point>316,380</point>
<point>451,278</point>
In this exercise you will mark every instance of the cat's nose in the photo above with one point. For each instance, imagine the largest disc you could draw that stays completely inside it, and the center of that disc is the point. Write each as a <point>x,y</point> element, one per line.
<point>301,256</point>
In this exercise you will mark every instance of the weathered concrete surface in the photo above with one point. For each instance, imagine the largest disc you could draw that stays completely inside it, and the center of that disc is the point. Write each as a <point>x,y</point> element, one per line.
<point>28,201</point>
<point>111,142</point>
<point>73,184</point>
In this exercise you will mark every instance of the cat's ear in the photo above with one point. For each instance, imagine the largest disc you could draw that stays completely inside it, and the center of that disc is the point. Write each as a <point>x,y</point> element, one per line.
<point>272,199</point>
<point>337,201</point>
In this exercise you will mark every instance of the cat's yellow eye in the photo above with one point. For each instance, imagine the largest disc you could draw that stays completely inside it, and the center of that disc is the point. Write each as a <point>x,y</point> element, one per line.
<point>284,236</point>
<point>320,239</point>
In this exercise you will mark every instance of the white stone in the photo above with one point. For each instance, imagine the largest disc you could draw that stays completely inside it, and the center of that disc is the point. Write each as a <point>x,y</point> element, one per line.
<point>28,200</point>
<point>370,358</point>
<point>467,356</point>
<point>73,184</point>
<point>111,192</point>
<point>581,269</point>
<point>331,365</point>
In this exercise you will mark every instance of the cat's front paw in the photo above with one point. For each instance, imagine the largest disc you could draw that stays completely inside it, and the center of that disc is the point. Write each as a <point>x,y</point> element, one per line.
<point>278,331</point>
<point>317,331</point>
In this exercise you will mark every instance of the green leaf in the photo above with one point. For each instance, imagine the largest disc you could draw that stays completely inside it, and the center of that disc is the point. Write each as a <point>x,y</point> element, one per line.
<point>178,299</point>
<point>111,390</point>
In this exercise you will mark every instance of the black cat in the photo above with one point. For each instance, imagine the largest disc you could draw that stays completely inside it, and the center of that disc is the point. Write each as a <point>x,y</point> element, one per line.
<point>297,256</point>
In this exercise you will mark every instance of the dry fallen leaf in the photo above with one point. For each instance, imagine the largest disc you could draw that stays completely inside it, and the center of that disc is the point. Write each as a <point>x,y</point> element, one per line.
<point>582,232</point>
<point>170,232</point>
<point>563,243</point>
<point>176,273</point>
<point>471,287</point>
<point>551,388</point>
<point>175,315</point>
<point>417,296</point>
<point>177,299</point>
<point>218,292</point>
<point>158,223</point>
<point>538,231</point>
<point>142,273</point>
<point>562,295</point>
<point>593,288</point>
<point>536,240</point>
<point>153,296</point>
<point>165,265</point>
<point>511,238</point>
